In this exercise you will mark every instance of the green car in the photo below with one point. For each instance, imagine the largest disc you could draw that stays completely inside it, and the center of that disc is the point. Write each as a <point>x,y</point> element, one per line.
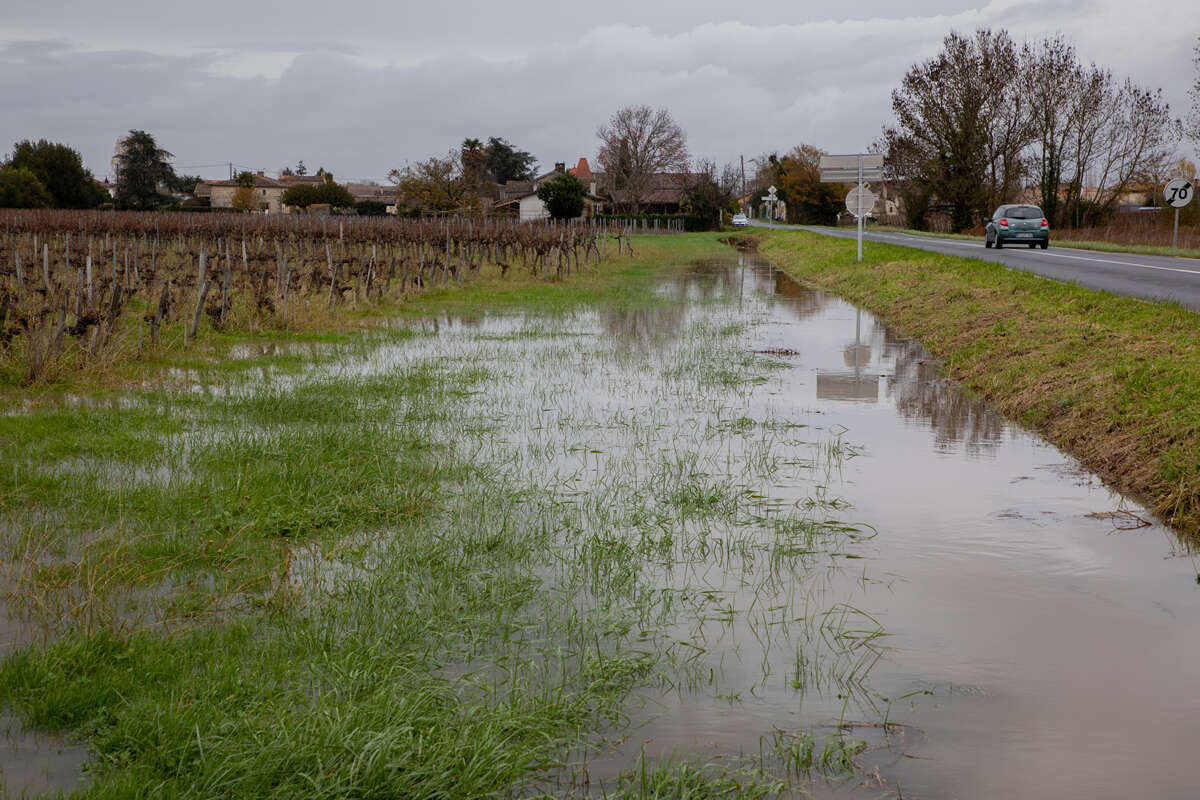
<point>1017,224</point>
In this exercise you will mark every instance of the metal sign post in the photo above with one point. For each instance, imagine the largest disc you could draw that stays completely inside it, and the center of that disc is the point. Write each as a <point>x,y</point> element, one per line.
<point>858,214</point>
<point>1178,193</point>
<point>858,167</point>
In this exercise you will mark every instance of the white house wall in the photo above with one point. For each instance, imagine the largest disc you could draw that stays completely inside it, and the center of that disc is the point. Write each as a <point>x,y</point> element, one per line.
<point>533,209</point>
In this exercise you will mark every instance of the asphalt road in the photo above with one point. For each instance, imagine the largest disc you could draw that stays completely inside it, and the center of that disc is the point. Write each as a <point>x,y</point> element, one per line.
<point>1147,277</point>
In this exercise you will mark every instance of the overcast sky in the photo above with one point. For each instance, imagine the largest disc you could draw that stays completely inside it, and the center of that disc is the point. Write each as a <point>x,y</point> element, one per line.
<point>363,87</point>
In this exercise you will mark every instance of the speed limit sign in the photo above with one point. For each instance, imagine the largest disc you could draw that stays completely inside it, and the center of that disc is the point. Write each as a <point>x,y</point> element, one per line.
<point>1178,193</point>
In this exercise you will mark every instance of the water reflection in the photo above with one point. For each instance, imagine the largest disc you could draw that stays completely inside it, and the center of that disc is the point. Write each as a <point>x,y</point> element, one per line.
<point>919,392</point>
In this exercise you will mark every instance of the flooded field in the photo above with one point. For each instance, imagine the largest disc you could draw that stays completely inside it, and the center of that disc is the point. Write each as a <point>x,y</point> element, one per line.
<point>743,539</point>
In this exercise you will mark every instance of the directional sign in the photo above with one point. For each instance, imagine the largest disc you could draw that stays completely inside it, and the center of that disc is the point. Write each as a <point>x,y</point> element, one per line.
<point>844,169</point>
<point>1178,193</point>
<point>853,199</point>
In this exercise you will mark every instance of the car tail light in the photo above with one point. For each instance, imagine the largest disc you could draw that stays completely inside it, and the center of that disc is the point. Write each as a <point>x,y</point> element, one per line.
<point>1003,222</point>
<point>1045,223</point>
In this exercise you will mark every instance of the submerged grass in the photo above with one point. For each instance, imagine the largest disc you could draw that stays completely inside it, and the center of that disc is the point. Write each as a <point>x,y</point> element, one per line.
<point>1114,380</point>
<point>434,565</point>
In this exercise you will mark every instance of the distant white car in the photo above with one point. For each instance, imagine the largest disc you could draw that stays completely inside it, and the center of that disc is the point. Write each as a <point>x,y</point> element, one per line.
<point>739,221</point>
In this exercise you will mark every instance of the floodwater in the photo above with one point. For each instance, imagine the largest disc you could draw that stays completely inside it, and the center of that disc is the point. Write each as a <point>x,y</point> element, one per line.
<point>35,764</point>
<point>1008,626</point>
<point>1054,653</point>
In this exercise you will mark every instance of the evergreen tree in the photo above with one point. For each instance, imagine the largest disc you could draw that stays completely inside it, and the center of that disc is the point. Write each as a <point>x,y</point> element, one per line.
<point>141,167</point>
<point>563,195</point>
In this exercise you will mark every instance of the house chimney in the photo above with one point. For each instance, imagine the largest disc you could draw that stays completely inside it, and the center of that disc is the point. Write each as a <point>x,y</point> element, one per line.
<point>560,166</point>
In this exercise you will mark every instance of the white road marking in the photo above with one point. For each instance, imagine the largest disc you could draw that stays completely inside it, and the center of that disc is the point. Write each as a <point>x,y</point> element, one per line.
<point>1053,255</point>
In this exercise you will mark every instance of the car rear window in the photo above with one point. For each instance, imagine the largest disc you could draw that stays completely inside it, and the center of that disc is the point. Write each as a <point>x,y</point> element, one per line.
<point>1025,212</point>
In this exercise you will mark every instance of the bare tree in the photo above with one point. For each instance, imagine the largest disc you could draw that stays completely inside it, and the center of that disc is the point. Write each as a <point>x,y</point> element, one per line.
<point>1055,80</point>
<point>712,191</point>
<point>1134,142</point>
<point>1194,117</point>
<point>637,143</point>
<point>437,185</point>
<point>1094,136</point>
<point>1008,118</point>
<point>943,107</point>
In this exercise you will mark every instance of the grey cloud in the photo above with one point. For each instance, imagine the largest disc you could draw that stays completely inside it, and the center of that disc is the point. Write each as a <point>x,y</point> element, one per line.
<point>737,87</point>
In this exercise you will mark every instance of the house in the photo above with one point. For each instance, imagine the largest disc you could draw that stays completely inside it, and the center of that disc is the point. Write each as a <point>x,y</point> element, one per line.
<point>268,193</point>
<point>508,202</point>
<point>518,199</point>
<point>665,193</point>
<point>373,193</point>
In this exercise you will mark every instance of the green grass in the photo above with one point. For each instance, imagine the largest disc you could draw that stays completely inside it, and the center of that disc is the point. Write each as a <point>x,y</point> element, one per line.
<point>1114,380</point>
<point>398,564</point>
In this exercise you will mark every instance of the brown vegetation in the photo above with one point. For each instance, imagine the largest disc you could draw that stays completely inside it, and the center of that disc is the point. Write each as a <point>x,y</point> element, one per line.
<point>70,281</point>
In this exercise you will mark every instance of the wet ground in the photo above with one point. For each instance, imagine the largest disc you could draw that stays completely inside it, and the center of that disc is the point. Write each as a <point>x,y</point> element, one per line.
<point>856,549</point>
<point>1011,629</point>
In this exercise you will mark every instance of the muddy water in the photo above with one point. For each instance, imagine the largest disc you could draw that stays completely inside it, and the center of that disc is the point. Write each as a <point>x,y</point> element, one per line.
<point>1019,641</point>
<point>1054,652</point>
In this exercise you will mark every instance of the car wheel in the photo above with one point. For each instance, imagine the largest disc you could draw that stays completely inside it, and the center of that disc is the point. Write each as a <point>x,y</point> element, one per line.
<point>999,244</point>
<point>1032,245</point>
<point>1045,244</point>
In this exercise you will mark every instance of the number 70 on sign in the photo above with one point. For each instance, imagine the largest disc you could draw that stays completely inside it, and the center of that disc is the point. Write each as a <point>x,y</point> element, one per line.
<point>1178,193</point>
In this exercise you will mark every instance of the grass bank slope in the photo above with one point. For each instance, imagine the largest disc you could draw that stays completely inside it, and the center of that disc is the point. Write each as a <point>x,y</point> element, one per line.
<point>1116,381</point>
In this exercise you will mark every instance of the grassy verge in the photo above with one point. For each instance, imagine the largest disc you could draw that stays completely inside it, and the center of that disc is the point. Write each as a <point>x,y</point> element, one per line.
<point>1056,240</point>
<point>372,569</point>
<point>1115,381</point>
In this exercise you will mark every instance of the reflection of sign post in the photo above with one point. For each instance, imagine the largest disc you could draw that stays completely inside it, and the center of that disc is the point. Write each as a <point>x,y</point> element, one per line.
<point>1178,193</point>
<point>857,168</point>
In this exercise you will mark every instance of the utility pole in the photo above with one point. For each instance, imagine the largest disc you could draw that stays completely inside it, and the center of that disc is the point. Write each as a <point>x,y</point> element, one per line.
<point>743,160</point>
<point>230,170</point>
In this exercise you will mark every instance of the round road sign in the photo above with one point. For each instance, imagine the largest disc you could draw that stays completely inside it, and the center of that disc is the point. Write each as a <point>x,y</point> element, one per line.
<point>852,200</point>
<point>1178,193</point>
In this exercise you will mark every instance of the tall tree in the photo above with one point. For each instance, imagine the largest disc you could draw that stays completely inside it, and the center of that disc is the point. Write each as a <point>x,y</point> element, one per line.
<point>60,170</point>
<point>1008,119</point>
<point>1194,117</point>
<point>809,201</point>
<point>20,188</point>
<point>142,166</point>
<point>711,192</point>
<point>1056,80</point>
<point>473,158</point>
<point>506,163</point>
<point>1094,136</point>
<point>942,109</point>
<point>638,142</point>
<point>435,185</point>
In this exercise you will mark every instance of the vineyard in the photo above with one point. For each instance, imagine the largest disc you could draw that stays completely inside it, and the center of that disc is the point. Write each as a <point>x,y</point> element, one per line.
<point>71,281</point>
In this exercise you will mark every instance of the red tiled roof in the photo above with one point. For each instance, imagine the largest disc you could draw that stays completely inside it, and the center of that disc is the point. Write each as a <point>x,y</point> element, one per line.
<point>581,170</point>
